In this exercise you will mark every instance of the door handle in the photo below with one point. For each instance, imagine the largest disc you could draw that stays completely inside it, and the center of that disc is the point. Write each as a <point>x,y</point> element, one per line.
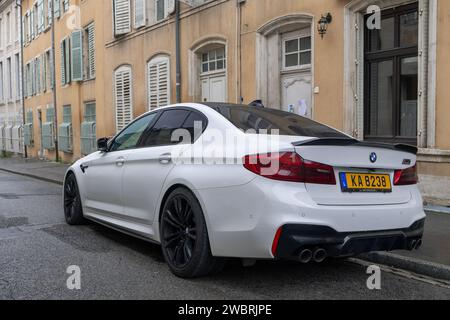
<point>165,158</point>
<point>120,162</point>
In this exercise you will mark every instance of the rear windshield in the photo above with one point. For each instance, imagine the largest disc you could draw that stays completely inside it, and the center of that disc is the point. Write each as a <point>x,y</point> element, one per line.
<point>263,120</point>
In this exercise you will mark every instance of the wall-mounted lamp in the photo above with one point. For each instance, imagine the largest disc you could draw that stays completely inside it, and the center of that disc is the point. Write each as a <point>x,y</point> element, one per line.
<point>323,23</point>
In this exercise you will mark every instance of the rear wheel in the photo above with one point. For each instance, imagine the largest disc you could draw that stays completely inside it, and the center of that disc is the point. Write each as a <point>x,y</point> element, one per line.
<point>184,237</point>
<point>73,210</point>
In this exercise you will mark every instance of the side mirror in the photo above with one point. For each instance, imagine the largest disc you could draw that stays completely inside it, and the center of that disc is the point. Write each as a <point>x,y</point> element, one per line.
<point>102,144</point>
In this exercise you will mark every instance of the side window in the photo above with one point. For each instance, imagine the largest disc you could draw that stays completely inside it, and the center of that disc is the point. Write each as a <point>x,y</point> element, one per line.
<point>129,138</point>
<point>195,124</point>
<point>161,133</point>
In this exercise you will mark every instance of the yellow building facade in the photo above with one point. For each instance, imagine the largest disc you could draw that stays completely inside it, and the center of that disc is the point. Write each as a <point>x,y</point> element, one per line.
<point>378,71</point>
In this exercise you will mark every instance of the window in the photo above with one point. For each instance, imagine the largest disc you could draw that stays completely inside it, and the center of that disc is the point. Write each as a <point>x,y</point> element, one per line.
<point>140,14</point>
<point>89,52</point>
<point>1,83</point>
<point>160,9</point>
<point>8,28</point>
<point>77,55</point>
<point>214,60</point>
<point>264,121</point>
<point>65,130</point>
<point>122,17</point>
<point>41,16</point>
<point>195,124</point>
<point>10,78</point>
<point>49,81</point>
<point>88,129</point>
<point>161,133</point>
<point>158,78</point>
<point>18,78</point>
<point>297,51</point>
<point>66,5</point>
<point>391,72</point>
<point>124,101</point>
<point>129,138</point>
<point>57,5</point>
<point>65,61</point>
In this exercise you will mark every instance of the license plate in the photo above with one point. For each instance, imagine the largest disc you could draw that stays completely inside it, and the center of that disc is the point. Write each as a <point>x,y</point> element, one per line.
<point>365,182</point>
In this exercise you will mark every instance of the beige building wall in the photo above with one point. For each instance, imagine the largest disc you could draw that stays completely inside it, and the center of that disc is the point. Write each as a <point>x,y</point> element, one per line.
<point>80,14</point>
<point>245,30</point>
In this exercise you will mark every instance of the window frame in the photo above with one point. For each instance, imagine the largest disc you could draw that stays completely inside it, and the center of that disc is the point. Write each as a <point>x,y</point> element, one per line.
<point>395,54</point>
<point>149,128</point>
<point>296,35</point>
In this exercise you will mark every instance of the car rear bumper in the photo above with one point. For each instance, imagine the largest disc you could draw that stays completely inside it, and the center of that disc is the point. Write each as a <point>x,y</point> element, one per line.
<point>295,238</point>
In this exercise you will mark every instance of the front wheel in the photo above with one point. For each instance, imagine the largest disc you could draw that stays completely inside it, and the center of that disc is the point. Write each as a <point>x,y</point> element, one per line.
<point>184,237</point>
<point>73,210</point>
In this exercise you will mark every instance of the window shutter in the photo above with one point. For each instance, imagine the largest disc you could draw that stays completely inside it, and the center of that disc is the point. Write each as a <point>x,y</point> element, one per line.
<point>44,73</point>
<point>41,16</point>
<point>91,51</point>
<point>63,62</point>
<point>57,8</point>
<point>68,58</point>
<point>124,108</point>
<point>158,83</point>
<point>38,75</point>
<point>52,79</point>
<point>49,12</point>
<point>140,18</point>
<point>32,12</point>
<point>122,17</point>
<point>77,55</point>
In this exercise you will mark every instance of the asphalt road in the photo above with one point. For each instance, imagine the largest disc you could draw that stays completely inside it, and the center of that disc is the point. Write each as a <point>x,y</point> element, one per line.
<point>37,247</point>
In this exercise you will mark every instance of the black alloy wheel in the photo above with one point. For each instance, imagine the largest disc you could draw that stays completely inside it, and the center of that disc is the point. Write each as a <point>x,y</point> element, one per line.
<point>73,210</point>
<point>184,237</point>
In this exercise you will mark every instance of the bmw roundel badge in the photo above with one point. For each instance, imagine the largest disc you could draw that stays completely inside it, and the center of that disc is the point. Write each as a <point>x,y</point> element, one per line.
<point>373,157</point>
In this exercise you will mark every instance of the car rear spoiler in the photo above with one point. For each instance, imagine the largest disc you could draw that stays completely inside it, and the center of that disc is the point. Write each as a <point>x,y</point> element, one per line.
<point>353,142</point>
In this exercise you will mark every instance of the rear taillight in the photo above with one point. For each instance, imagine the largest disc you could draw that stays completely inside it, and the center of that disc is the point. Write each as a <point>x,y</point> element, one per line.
<point>406,177</point>
<point>289,166</point>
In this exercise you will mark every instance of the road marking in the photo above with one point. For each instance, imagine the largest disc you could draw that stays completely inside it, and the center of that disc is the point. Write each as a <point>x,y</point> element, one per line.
<point>404,273</point>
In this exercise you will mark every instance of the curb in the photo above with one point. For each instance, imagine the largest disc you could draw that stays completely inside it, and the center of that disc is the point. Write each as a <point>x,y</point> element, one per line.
<point>29,175</point>
<point>426,268</point>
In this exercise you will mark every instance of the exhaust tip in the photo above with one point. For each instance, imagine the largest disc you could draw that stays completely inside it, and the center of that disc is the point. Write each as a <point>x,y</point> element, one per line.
<point>418,244</point>
<point>320,255</point>
<point>305,256</point>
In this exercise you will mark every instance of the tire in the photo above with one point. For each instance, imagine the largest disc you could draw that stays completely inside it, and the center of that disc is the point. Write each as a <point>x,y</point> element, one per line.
<point>73,210</point>
<point>184,237</point>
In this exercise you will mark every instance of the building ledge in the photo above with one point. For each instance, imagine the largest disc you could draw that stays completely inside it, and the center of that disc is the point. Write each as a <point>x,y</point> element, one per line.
<point>433,155</point>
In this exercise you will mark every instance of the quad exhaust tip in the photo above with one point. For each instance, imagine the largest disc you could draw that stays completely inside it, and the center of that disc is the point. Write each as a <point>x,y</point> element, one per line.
<point>320,255</point>
<point>306,255</point>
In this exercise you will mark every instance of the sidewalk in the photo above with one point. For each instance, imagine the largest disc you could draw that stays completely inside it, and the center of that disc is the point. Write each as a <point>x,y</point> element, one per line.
<point>43,170</point>
<point>433,259</point>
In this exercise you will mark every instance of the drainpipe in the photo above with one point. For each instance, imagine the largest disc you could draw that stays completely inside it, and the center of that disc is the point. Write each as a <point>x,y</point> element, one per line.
<point>239,98</point>
<point>55,106</point>
<point>22,80</point>
<point>177,50</point>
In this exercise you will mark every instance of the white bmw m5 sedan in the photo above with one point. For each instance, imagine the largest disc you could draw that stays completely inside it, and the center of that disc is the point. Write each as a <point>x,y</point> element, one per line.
<point>215,180</point>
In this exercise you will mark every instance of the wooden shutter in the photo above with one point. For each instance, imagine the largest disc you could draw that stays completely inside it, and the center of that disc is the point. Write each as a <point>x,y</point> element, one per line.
<point>122,17</point>
<point>41,19</point>
<point>57,8</point>
<point>123,92</point>
<point>63,62</point>
<point>91,50</point>
<point>158,77</point>
<point>49,12</point>
<point>140,16</point>
<point>77,55</point>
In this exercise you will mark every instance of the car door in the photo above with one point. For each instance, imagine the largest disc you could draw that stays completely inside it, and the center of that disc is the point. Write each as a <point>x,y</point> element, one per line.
<point>103,176</point>
<point>148,167</point>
